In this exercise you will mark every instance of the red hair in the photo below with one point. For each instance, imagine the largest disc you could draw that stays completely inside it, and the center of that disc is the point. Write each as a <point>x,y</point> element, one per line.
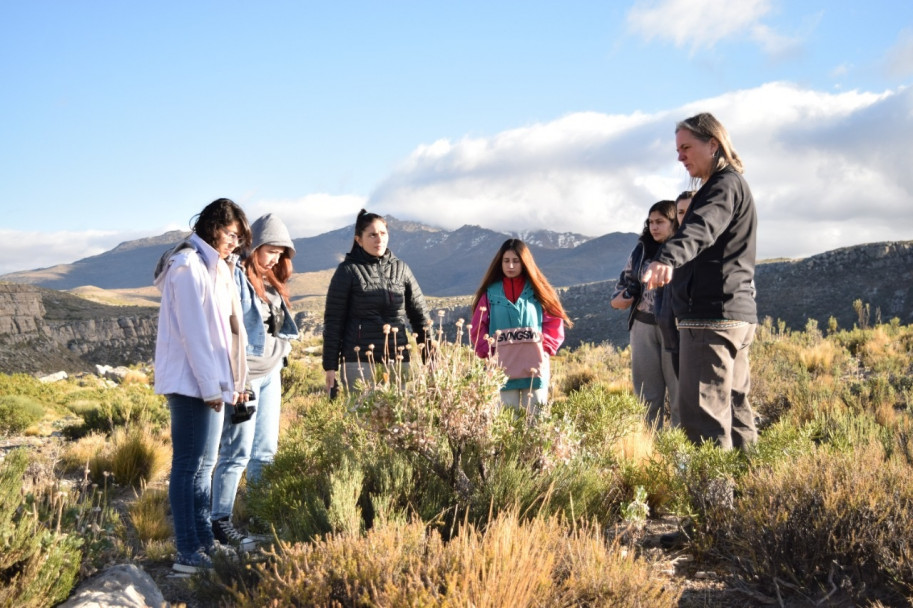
<point>277,276</point>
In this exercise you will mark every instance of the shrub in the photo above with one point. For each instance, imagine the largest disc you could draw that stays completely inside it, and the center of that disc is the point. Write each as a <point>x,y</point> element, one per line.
<point>511,562</point>
<point>38,561</point>
<point>294,491</point>
<point>602,415</point>
<point>18,412</point>
<point>77,455</point>
<point>124,406</point>
<point>824,521</point>
<point>444,415</point>
<point>698,480</point>
<point>299,379</point>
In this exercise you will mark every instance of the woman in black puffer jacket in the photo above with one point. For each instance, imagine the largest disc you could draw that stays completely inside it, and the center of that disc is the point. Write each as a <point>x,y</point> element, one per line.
<point>370,296</point>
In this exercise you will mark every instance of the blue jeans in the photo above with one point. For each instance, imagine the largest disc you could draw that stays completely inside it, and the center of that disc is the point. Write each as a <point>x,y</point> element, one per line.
<point>248,445</point>
<point>195,431</point>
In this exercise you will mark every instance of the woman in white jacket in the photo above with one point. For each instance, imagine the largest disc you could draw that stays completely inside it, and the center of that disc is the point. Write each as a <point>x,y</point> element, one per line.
<point>199,365</point>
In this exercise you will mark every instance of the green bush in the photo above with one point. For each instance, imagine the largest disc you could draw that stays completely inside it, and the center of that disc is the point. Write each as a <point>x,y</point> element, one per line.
<point>38,562</point>
<point>125,406</point>
<point>601,415</point>
<point>293,494</point>
<point>824,521</point>
<point>19,412</point>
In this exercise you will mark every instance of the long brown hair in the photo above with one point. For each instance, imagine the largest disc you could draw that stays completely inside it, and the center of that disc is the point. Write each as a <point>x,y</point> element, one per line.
<point>277,276</point>
<point>544,291</point>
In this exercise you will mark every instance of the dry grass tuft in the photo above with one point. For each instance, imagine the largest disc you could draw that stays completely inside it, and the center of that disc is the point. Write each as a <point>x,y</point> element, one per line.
<point>135,377</point>
<point>513,562</point>
<point>149,515</point>
<point>133,457</point>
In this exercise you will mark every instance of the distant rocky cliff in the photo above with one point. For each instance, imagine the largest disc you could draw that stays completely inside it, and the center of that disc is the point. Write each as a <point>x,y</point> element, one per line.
<point>826,285</point>
<point>43,331</point>
<point>819,287</point>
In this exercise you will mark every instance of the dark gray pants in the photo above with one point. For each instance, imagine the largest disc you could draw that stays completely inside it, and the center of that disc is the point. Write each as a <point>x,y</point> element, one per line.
<point>653,373</point>
<point>713,385</point>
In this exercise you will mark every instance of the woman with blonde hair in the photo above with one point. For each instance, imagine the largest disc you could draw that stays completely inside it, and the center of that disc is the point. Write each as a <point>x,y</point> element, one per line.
<point>517,316</point>
<point>709,265</point>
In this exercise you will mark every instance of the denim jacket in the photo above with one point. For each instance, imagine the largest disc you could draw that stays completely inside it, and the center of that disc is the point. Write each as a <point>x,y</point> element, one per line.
<point>253,320</point>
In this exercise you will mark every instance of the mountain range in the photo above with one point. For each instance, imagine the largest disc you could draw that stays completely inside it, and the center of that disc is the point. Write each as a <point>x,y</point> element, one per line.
<point>445,263</point>
<point>42,328</point>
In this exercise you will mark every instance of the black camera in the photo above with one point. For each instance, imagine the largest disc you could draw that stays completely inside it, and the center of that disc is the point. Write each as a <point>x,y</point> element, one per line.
<point>242,412</point>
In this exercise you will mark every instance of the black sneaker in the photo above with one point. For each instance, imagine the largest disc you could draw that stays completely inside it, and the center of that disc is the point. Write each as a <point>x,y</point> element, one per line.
<point>226,534</point>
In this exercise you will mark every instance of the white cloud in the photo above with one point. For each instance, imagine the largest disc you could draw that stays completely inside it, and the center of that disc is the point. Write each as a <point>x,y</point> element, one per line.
<point>310,215</point>
<point>827,170</point>
<point>899,58</point>
<point>774,44</point>
<point>812,159</point>
<point>30,250</point>
<point>700,23</point>
<point>546,175</point>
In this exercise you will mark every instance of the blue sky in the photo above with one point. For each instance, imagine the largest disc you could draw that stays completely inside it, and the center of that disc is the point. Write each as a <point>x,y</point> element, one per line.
<point>122,120</point>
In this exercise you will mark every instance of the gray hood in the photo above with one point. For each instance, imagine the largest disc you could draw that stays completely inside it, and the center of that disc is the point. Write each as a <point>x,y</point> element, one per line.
<point>269,230</point>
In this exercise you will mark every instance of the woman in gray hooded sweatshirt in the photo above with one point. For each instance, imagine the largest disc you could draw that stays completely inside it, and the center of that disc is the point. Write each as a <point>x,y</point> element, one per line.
<point>250,438</point>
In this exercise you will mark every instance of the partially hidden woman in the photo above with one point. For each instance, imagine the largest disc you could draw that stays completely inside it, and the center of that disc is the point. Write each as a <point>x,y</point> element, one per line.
<point>709,265</point>
<point>518,317</point>
<point>199,366</point>
<point>371,295</point>
<point>652,367</point>
<point>662,305</point>
<point>262,282</point>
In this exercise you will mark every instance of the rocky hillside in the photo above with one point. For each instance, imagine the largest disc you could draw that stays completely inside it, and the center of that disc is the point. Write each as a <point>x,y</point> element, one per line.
<point>44,331</point>
<point>794,291</point>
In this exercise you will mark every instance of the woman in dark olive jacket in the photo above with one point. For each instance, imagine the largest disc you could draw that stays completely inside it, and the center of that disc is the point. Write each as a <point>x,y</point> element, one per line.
<point>370,296</point>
